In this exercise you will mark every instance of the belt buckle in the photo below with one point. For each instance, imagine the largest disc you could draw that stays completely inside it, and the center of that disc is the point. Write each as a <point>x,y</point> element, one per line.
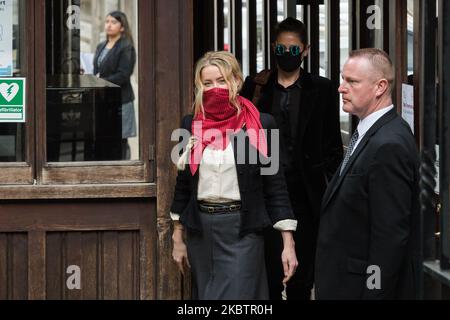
<point>210,210</point>
<point>233,207</point>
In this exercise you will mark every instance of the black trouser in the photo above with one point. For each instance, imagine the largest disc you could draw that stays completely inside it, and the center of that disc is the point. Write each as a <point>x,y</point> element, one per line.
<point>301,284</point>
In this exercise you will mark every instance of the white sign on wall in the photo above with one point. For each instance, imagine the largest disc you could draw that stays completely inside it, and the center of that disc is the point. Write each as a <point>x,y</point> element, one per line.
<point>408,104</point>
<point>6,38</point>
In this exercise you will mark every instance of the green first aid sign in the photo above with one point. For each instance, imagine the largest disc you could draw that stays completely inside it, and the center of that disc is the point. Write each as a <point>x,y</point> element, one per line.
<point>12,100</point>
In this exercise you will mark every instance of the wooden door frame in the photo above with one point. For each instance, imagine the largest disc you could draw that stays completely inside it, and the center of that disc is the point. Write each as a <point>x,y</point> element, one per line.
<point>171,55</point>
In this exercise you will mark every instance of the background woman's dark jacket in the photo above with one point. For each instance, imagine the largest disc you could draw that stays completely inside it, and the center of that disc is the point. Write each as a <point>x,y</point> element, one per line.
<point>118,66</point>
<point>265,200</point>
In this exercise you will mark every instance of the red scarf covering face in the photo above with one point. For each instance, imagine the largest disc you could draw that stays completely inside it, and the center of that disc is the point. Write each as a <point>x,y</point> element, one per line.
<point>221,117</point>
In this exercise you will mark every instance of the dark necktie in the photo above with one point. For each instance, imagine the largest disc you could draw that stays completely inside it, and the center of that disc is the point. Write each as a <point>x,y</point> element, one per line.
<point>353,141</point>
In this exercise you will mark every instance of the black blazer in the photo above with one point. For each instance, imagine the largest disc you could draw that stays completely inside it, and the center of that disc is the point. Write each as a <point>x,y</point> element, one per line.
<point>370,217</point>
<point>118,66</point>
<point>265,200</point>
<point>319,150</point>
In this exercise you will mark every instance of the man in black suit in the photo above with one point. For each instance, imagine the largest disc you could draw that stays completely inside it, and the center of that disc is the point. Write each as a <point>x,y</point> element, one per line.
<point>306,110</point>
<point>369,229</point>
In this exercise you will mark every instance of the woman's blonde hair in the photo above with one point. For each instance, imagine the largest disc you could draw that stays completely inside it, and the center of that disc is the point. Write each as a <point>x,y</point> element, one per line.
<point>230,70</point>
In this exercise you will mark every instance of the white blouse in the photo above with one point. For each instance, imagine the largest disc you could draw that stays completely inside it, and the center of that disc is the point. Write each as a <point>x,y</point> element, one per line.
<point>218,182</point>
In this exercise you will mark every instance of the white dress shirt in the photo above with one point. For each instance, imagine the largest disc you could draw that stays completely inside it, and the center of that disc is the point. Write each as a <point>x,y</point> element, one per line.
<point>367,123</point>
<point>218,182</point>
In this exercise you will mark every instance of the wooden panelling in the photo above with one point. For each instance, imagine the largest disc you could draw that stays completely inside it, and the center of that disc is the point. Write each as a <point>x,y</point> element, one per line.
<point>13,266</point>
<point>109,264</point>
<point>89,263</point>
<point>110,259</point>
<point>59,216</point>
<point>3,267</point>
<point>90,191</point>
<point>16,175</point>
<point>36,265</point>
<point>54,260</point>
<point>86,175</point>
<point>114,244</point>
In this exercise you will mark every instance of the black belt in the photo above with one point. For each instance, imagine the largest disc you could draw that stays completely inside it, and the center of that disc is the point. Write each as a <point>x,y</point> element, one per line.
<point>219,207</point>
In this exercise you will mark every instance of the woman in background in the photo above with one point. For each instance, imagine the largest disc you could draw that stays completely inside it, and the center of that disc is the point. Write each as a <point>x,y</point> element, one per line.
<point>114,61</point>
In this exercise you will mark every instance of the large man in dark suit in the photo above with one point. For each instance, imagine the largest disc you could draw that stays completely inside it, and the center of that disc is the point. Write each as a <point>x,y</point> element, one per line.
<point>369,229</point>
<point>307,112</point>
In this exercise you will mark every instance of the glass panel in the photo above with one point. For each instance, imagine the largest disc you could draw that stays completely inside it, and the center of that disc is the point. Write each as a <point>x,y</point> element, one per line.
<point>260,35</point>
<point>300,11</point>
<point>379,28</point>
<point>344,44</point>
<point>92,80</point>
<point>281,8</point>
<point>410,36</point>
<point>245,32</point>
<point>12,135</point>
<point>227,25</point>
<point>323,40</point>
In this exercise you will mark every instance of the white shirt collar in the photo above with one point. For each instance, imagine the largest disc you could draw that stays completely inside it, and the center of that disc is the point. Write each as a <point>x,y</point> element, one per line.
<point>367,123</point>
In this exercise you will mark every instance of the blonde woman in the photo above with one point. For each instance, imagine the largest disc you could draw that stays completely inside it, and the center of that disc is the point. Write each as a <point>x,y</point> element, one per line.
<point>222,202</point>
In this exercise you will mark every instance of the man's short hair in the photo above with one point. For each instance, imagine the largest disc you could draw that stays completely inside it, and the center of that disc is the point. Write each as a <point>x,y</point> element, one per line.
<point>380,61</point>
<point>292,25</point>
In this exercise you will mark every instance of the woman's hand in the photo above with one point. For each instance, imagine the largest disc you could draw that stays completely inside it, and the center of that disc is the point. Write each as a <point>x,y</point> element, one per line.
<point>179,252</point>
<point>288,257</point>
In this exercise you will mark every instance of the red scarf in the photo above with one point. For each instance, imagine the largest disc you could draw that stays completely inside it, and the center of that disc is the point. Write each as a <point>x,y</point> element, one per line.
<point>220,116</point>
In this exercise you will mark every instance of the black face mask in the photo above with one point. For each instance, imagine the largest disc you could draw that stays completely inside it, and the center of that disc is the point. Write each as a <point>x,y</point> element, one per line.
<point>289,63</point>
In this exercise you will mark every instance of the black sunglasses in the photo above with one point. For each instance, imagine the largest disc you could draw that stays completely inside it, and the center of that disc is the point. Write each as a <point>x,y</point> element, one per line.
<point>280,50</point>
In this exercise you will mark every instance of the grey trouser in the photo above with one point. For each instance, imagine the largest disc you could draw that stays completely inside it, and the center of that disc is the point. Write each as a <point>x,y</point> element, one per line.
<point>225,266</point>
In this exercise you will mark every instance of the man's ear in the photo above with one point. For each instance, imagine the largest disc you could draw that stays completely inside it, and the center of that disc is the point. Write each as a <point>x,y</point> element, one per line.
<point>306,51</point>
<point>382,87</point>
<point>273,47</point>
